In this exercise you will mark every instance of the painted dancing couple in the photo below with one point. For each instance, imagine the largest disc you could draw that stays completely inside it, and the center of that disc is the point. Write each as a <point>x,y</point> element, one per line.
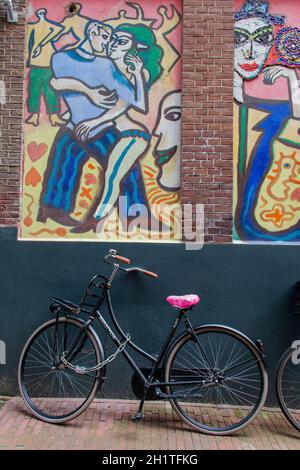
<point>108,74</point>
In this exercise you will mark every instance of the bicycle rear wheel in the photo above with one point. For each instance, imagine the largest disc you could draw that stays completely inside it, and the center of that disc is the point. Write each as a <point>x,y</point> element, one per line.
<point>53,392</point>
<point>228,379</point>
<point>288,386</point>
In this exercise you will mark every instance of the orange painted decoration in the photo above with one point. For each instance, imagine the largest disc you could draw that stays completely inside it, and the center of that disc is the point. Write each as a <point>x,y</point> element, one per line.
<point>60,232</point>
<point>28,220</point>
<point>86,192</point>
<point>33,178</point>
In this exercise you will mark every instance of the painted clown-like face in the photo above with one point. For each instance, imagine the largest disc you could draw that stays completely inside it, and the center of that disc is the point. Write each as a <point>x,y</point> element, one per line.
<point>253,41</point>
<point>167,149</point>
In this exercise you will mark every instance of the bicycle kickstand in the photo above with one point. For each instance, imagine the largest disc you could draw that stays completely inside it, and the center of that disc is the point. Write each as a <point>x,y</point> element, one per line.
<point>139,416</point>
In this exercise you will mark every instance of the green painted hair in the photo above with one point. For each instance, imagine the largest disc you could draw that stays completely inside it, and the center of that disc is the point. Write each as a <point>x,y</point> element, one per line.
<point>151,56</point>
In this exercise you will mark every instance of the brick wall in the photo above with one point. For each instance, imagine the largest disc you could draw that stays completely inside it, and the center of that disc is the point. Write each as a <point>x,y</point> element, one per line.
<point>12,42</point>
<point>207,116</point>
<point>207,109</point>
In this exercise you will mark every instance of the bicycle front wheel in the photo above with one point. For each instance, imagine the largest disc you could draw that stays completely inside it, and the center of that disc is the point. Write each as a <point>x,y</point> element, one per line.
<point>221,380</point>
<point>288,386</point>
<point>53,392</point>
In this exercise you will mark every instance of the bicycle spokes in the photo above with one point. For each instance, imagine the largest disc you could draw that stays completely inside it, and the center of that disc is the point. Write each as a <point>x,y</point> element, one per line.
<point>223,378</point>
<point>288,387</point>
<point>50,387</point>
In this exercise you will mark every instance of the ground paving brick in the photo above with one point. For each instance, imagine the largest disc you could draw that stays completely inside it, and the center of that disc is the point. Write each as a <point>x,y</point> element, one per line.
<point>106,425</point>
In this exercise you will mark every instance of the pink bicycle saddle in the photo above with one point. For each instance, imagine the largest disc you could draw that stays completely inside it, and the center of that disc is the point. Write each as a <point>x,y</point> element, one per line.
<point>183,301</point>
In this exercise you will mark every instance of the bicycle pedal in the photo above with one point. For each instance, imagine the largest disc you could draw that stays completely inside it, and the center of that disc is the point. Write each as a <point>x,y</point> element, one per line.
<point>137,417</point>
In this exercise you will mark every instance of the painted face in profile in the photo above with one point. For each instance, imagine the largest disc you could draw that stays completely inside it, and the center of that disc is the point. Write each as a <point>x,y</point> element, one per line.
<point>167,150</point>
<point>120,45</point>
<point>253,41</point>
<point>99,36</point>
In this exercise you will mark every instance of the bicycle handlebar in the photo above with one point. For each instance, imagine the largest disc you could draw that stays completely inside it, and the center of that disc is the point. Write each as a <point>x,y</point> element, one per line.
<point>123,259</point>
<point>150,274</point>
<point>114,254</point>
<point>141,270</point>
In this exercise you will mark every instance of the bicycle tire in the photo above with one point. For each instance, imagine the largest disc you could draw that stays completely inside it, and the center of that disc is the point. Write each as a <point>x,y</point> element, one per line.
<point>224,423</point>
<point>61,381</point>
<point>293,417</point>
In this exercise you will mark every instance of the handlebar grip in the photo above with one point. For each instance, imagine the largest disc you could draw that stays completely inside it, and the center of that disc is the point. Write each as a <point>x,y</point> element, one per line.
<point>149,273</point>
<point>122,259</point>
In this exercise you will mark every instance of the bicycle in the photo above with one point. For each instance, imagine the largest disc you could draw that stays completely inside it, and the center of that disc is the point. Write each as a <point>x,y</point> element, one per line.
<point>288,376</point>
<point>214,376</point>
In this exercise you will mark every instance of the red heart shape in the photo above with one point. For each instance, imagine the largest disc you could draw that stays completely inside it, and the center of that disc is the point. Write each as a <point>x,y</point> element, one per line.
<point>36,151</point>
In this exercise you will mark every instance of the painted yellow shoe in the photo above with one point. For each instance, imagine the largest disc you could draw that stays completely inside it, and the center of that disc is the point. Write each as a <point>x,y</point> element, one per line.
<point>55,120</point>
<point>33,119</point>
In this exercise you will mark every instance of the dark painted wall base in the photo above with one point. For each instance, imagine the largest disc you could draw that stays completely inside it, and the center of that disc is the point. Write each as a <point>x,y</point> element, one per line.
<point>246,287</point>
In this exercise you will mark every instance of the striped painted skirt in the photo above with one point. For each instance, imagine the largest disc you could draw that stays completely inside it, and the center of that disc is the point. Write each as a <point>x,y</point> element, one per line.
<point>67,158</point>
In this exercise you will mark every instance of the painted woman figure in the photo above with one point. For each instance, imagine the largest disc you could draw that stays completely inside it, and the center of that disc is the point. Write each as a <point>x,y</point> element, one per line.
<point>267,109</point>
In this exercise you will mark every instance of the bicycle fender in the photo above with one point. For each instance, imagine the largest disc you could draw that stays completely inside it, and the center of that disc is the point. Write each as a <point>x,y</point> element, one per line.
<point>214,325</point>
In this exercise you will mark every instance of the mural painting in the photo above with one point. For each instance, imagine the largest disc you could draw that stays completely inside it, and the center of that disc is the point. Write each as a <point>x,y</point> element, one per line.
<point>102,120</point>
<point>267,121</point>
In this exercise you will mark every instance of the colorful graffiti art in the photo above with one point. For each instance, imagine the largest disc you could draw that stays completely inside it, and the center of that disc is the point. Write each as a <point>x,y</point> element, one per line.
<point>267,121</point>
<point>102,121</point>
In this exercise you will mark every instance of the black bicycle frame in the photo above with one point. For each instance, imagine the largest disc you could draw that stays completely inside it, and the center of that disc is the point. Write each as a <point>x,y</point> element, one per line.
<point>156,361</point>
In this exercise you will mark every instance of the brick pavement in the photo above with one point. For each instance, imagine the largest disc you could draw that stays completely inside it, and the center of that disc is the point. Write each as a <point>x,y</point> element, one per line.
<point>106,425</point>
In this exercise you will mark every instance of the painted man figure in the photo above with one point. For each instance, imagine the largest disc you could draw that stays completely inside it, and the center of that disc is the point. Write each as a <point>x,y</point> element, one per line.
<point>74,23</point>
<point>40,50</point>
